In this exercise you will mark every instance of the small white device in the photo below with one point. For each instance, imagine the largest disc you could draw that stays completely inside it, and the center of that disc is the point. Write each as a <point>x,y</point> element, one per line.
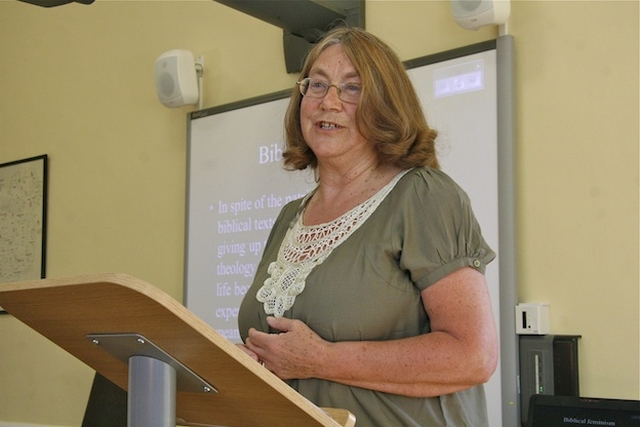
<point>532,319</point>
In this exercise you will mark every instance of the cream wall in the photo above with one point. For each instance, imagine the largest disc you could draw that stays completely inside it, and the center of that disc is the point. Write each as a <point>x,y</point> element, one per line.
<point>76,83</point>
<point>577,179</point>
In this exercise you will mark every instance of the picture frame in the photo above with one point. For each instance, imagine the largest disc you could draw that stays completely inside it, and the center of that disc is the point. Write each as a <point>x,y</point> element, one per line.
<point>23,219</point>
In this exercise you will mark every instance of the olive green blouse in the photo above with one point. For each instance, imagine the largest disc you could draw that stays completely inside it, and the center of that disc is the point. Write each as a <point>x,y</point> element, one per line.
<point>369,289</point>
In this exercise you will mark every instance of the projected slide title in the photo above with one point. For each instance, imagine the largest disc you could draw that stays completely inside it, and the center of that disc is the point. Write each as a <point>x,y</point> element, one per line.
<point>269,154</point>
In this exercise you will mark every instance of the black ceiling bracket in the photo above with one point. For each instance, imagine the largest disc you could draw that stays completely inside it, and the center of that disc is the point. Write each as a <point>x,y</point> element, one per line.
<point>303,22</point>
<point>54,3</point>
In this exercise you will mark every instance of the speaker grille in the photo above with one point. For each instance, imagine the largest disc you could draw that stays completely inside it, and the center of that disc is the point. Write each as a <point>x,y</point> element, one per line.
<point>166,85</point>
<point>470,5</point>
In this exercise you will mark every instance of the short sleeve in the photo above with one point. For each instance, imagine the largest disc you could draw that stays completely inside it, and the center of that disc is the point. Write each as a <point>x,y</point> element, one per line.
<point>439,231</point>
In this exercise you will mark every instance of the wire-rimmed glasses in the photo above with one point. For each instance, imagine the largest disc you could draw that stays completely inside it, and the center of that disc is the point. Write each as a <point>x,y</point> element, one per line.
<point>348,92</point>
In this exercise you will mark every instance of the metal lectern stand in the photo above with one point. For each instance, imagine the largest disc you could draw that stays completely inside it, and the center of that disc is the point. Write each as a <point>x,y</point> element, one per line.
<point>175,367</point>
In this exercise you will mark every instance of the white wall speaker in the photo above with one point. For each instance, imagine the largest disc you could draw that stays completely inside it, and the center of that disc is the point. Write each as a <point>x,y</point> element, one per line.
<point>176,78</point>
<point>473,14</point>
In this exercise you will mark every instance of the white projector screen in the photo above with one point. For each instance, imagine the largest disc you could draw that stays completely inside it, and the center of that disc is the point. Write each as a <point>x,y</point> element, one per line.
<point>237,185</point>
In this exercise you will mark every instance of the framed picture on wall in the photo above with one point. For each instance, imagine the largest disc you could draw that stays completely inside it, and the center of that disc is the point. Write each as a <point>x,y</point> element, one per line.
<point>23,219</point>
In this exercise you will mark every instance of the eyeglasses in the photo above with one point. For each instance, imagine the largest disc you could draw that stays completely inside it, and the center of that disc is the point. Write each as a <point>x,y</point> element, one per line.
<point>314,88</point>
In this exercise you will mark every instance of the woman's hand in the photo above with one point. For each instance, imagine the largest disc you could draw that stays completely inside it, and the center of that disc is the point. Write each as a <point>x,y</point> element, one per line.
<point>244,348</point>
<point>295,352</point>
<point>461,350</point>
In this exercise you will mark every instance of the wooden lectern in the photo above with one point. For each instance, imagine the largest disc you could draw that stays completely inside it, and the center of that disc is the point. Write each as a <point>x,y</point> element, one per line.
<point>172,364</point>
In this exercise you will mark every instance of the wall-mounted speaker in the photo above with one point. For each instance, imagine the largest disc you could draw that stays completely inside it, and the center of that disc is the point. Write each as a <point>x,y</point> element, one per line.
<point>473,14</point>
<point>176,78</point>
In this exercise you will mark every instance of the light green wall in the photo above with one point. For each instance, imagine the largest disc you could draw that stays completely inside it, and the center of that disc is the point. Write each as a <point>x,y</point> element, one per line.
<point>76,83</point>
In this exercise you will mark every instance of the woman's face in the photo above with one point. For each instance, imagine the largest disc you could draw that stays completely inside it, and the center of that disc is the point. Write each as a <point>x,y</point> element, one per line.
<point>328,123</point>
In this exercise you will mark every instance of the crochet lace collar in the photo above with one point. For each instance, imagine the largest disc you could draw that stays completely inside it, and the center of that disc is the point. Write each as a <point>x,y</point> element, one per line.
<point>305,247</point>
